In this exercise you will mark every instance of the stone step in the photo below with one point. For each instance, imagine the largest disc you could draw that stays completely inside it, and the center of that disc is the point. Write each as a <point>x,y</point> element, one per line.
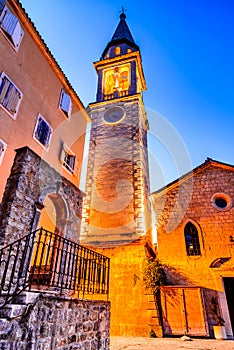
<point>12,310</point>
<point>24,298</point>
<point>3,325</point>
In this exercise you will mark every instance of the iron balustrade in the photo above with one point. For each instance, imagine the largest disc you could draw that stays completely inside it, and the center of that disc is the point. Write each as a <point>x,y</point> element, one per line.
<point>46,260</point>
<point>116,94</point>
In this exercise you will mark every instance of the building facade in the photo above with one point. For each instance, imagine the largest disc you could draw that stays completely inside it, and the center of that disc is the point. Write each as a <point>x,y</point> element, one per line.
<point>44,272</point>
<point>197,249</point>
<point>42,135</point>
<point>39,110</point>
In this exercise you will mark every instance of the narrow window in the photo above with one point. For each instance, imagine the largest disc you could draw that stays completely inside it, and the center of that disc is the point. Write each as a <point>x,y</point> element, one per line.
<point>11,27</point>
<point>68,159</point>
<point>43,131</point>
<point>117,51</point>
<point>65,103</point>
<point>3,146</point>
<point>192,239</point>
<point>10,95</point>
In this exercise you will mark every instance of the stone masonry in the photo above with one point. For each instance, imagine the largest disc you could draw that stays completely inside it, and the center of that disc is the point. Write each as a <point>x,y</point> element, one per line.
<point>30,181</point>
<point>116,205</point>
<point>57,323</point>
<point>190,199</point>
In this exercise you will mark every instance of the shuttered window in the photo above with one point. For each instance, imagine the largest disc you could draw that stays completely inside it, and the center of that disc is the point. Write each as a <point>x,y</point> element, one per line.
<point>65,103</point>
<point>10,95</point>
<point>11,27</point>
<point>68,159</point>
<point>42,131</point>
<point>3,146</point>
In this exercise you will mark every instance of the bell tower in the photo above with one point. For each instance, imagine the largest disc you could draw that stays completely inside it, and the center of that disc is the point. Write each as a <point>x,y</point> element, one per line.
<point>116,207</point>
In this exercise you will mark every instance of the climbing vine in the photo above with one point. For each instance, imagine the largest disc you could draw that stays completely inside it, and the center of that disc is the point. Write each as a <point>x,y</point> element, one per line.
<point>154,276</point>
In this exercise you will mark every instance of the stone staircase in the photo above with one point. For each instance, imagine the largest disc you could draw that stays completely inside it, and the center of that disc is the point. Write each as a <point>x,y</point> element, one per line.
<point>153,316</point>
<point>12,314</point>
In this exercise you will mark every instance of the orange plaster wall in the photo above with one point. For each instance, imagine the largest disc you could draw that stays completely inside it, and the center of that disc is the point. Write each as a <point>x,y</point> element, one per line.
<point>33,74</point>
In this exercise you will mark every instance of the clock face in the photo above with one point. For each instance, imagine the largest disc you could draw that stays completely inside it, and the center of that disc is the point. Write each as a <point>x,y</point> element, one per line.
<point>114,115</point>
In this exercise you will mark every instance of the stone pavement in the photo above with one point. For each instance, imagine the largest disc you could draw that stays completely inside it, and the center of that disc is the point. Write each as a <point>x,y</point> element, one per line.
<point>140,343</point>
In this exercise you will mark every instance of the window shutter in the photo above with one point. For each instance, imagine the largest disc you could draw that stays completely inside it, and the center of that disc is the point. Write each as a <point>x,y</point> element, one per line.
<point>3,146</point>
<point>11,26</point>
<point>15,97</point>
<point>2,4</point>
<point>65,103</point>
<point>76,166</point>
<point>10,95</point>
<point>8,21</point>
<point>63,155</point>
<point>3,88</point>
<point>17,34</point>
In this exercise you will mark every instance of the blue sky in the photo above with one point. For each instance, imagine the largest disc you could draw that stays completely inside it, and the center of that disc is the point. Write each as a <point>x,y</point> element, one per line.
<point>188,58</point>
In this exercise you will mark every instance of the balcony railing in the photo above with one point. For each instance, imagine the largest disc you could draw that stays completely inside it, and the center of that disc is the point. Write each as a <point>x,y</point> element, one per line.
<point>116,94</point>
<point>44,260</point>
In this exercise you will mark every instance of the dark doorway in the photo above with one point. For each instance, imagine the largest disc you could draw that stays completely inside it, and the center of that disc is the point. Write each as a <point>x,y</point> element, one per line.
<point>229,290</point>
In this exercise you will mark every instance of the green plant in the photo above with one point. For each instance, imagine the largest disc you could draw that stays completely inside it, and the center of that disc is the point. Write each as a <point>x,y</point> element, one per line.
<point>216,311</point>
<point>152,334</point>
<point>154,275</point>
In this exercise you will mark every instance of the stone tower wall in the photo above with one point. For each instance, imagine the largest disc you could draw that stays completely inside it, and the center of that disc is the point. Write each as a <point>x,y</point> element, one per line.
<point>117,184</point>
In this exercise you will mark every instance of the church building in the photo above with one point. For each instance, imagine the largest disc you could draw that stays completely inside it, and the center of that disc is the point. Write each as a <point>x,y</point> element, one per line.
<point>194,214</point>
<point>63,252</point>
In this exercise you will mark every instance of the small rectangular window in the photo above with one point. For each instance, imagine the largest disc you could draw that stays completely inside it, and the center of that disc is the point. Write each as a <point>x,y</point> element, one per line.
<point>43,131</point>
<point>3,146</point>
<point>10,95</point>
<point>11,27</point>
<point>68,159</point>
<point>65,103</point>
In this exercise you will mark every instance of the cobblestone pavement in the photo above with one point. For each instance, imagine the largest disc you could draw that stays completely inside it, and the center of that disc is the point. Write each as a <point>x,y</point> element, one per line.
<point>139,343</point>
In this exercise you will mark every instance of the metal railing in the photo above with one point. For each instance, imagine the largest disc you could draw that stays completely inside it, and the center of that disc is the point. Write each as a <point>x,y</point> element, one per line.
<point>45,260</point>
<point>115,94</point>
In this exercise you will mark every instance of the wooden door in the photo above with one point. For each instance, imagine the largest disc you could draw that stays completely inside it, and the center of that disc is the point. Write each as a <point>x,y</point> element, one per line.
<point>229,290</point>
<point>183,311</point>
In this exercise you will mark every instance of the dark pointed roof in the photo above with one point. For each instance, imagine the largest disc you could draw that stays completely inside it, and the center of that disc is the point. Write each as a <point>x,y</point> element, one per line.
<point>122,34</point>
<point>122,31</point>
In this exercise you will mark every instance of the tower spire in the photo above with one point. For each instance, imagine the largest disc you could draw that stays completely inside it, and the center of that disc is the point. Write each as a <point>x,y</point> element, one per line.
<point>122,35</point>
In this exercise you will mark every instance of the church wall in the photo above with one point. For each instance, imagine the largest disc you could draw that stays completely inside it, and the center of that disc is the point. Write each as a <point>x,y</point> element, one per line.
<point>133,310</point>
<point>214,227</point>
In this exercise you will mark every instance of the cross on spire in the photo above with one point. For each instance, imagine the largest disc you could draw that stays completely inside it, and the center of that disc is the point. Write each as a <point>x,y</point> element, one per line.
<point>123,10</point>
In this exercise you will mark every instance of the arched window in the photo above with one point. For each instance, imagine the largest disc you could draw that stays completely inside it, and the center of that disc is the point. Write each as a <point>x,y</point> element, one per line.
<point>192,239</point>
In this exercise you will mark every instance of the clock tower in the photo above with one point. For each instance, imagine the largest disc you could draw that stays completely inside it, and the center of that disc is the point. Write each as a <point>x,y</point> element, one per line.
<point>116,207</point>
<point>116,212</point>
